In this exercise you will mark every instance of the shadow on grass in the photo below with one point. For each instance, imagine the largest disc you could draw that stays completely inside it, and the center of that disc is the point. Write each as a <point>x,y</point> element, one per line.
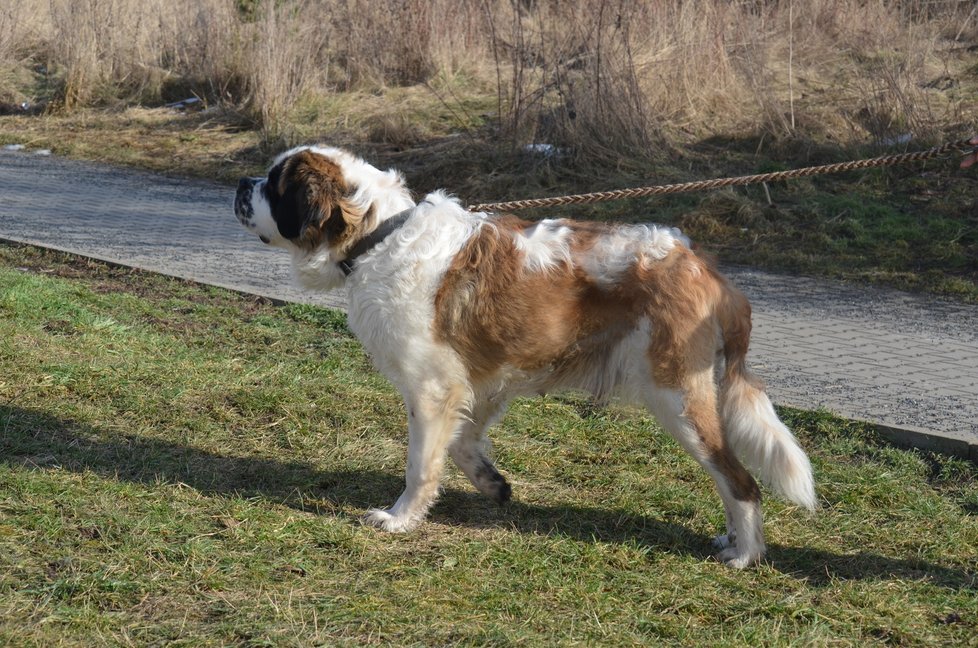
<point>33,439</point>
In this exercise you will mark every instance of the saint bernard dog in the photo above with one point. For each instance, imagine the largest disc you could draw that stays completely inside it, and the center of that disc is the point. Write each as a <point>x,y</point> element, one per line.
<point>465,311</point>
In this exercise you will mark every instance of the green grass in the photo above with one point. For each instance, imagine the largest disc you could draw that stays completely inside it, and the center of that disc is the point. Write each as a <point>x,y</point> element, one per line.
<point>182,465</point>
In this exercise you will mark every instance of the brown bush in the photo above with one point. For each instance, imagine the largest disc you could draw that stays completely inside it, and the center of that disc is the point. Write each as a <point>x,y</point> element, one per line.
<point>602,77</point>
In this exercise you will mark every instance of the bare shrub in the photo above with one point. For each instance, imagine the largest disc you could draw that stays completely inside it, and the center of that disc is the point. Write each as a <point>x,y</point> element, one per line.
<point>18,36</point>
<point>611,78</point>
<point>605,102</point>
<point>108,48</point>
<point>156,49</point>
<point>872,60</point>
<point>610,75</point>
<point>286,58</point>
<point>201,44</point>
<point>386,41</point>
<point>404,42</point>
<point>18,31</point>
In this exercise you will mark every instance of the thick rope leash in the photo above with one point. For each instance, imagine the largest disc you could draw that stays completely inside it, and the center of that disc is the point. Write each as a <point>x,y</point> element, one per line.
<point>637,192</point>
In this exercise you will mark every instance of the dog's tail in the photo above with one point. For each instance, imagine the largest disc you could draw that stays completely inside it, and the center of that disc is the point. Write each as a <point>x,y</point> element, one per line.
<point>753,429</point>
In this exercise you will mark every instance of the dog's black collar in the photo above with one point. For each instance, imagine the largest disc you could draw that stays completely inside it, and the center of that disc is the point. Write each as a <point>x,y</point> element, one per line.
<point>368,242</point>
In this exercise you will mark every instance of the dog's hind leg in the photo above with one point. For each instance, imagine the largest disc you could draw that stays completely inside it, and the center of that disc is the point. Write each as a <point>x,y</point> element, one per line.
<point>435,414</point>
<point>468,450</point>
<point>690,415</point>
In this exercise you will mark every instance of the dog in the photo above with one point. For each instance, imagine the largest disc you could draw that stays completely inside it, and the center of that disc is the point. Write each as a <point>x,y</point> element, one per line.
<point>465,311</point>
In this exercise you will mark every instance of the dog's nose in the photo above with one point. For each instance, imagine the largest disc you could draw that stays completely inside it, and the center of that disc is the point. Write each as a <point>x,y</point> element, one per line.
<point>244,184</point>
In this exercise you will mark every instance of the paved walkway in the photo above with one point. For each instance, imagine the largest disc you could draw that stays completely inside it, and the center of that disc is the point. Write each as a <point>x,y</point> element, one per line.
<point>908,363</point>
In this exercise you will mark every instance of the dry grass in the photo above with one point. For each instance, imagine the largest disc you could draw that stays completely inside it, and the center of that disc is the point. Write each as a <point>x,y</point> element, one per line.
<point>601,77</point>
<point>622,76</point>
<point>283,63</point>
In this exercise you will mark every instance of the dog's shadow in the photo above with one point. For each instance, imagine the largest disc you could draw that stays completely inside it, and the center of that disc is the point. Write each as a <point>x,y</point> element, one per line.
<point>35,439</point>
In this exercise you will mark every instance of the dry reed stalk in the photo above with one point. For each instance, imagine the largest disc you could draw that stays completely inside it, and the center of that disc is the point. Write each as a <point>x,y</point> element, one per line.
<point>601,77</point>
<point>284,63</point>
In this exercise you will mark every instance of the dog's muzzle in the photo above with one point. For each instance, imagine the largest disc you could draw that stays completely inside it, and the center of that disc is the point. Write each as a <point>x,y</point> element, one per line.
<point>243,207</point>
<point>242,201</point>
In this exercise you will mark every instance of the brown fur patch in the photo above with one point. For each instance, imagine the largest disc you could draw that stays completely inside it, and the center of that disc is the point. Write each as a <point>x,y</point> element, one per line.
<point>702,413</point>
<point>695,309</point>
<point>495,313</point>
<point>313,192</point>
<point>734,312</point>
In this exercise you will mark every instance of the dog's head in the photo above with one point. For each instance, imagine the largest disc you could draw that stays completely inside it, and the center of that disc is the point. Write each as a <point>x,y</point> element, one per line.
<point>319,200</point>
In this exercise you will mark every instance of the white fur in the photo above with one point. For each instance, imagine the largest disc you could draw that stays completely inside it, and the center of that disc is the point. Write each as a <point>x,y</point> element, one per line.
<point>391,303</point>
<point>262,222</point>
<point>766,445</point>
<point>614,254</point>
<point>545,245</point>
<point>391,310</point>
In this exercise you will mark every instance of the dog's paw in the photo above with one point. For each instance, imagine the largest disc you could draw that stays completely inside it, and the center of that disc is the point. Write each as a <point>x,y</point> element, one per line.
<point>734,557</point>
<point>389,522</point>
<point>501,491</point>
<point>488,480</point>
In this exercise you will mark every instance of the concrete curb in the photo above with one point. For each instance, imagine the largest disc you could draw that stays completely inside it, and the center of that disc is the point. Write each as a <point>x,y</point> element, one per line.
<point>916,438</point>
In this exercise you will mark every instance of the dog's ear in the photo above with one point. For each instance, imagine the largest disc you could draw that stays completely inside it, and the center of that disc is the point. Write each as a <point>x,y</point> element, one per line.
<point>311,206</point>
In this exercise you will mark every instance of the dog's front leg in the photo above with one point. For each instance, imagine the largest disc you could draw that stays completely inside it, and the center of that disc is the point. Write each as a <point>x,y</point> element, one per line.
<point>434,416</point>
